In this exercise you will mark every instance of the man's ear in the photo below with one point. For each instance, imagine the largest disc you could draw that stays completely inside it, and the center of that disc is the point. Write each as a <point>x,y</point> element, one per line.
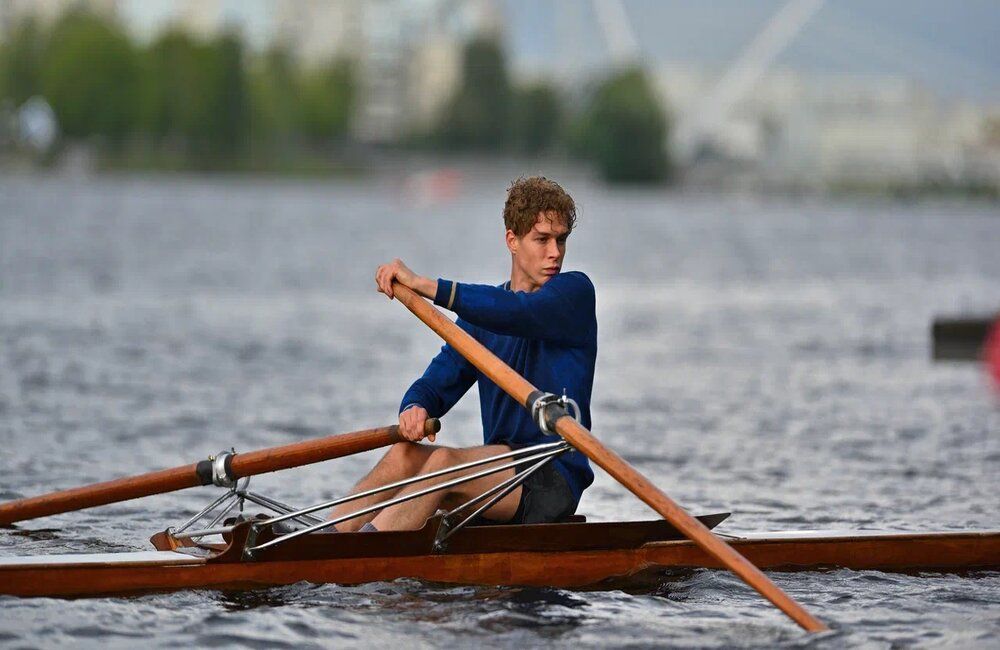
<point>512,242</point>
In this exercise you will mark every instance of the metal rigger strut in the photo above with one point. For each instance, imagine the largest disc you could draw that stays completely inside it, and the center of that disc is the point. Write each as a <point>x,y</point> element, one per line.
<point>546,408</point>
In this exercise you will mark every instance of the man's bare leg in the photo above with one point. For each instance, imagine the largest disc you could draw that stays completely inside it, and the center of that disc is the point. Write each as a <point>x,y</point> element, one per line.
<point>403,460</point>
<point>411,515</point>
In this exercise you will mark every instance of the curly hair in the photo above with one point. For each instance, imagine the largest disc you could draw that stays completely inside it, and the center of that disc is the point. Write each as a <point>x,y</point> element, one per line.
<point>527,197</point>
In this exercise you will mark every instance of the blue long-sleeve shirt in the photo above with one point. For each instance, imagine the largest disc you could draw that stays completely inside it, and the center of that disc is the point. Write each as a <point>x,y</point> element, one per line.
<point>548,336</point>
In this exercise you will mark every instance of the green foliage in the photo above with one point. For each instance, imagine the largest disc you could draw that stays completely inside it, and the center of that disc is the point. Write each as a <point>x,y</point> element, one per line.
<point>196,94</point>
<point>288,104</point>
<point>21,56</point>
<point>187,100</point>
<point>90,77</point>
<point>478,116</point>
<point>624,130</point>
<point>169,88</point>
<point>274,97</point>
<point>327,97</point>
<point>181,99</point>
<point>227,118</point>
<point>537,118</point>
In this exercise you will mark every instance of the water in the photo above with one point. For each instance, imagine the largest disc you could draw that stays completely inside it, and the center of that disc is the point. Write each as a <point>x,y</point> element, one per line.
<point>765,356</point>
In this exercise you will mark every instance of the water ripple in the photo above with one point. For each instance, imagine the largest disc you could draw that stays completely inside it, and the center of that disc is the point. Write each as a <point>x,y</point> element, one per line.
<point>775,365</point>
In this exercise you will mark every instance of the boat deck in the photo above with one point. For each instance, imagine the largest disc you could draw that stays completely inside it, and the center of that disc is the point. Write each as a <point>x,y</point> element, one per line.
<point>134,558</point>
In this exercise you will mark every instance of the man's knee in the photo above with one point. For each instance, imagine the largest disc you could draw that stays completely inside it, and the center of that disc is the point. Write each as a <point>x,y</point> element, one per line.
<point>441,458</point>
<point>406,457</point>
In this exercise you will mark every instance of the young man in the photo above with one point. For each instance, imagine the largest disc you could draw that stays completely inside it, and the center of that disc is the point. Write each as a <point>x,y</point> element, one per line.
<point>542,323</point>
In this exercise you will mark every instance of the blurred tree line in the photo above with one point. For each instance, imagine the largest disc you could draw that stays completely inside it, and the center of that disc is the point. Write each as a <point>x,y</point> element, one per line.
<point>194,102</point>
<point>618,124</point>
<point>184,101</point>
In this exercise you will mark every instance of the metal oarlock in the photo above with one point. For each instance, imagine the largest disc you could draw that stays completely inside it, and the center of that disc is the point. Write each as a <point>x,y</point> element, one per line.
<point>547,408</point>
<point>221,468</point>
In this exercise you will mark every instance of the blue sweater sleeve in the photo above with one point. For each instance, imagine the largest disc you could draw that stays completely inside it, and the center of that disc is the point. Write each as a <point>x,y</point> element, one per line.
<point>448,377</point>
<point>562,310</point>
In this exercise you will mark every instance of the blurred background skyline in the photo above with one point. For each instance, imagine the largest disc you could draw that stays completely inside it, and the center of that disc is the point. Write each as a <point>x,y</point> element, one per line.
<point>884,96</point>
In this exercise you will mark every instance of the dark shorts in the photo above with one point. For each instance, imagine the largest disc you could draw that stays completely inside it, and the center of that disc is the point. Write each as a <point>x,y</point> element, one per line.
<point>545,498</point>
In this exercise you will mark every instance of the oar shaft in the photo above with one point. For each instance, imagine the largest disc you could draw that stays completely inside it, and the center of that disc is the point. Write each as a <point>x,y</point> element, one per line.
<point>193,475</point>
<point>99,494</point>
<point>577,435</point>
<point>693,529</point>
<point>320,449</point>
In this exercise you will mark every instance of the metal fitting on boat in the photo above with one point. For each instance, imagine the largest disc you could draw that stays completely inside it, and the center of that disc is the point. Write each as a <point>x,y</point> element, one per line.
<point>251,542</point>
<point>546,409</point>
<point>217,469</point>
<point>221,468</point>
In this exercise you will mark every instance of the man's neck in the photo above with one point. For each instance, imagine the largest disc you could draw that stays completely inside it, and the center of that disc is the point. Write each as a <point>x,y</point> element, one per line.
<point>519,281</point>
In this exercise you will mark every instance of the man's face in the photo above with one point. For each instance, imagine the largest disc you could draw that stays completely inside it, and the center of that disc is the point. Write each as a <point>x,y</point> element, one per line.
<point>539,253</point>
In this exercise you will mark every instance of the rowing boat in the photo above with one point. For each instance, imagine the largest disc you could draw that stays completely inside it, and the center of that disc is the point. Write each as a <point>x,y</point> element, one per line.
<point>291,544</point>
<point>574,554</point>
<point>217,550</point>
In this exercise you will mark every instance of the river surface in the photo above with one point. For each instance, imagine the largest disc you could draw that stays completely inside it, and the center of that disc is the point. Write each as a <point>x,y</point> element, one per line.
<point>764,356</point>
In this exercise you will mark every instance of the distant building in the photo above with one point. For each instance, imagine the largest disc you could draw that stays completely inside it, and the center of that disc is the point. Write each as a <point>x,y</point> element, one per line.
<point>410,61</point>
<point>837,130</point>
<point>435,70</point>
<point>407,52</point>
<point>318,30</point>
<point>202,18</point>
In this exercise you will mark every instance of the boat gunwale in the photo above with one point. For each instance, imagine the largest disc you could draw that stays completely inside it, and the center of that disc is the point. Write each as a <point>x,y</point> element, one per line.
<point>184,557</point>
<point>842,535</point>
<point>935,552</point>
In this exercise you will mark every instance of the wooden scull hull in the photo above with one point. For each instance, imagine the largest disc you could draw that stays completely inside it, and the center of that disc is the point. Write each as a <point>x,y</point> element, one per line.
<point>125,573</point>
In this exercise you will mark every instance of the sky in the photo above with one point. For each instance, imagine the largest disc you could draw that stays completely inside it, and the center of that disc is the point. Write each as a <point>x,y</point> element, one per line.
<point>150,16</point>
<point>949,46</point>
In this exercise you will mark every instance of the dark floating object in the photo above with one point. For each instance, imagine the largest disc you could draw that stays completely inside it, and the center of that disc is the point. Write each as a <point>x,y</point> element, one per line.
<point>960,339</point>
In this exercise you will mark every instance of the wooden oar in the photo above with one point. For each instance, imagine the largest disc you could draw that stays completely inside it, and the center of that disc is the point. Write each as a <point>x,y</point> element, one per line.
<point>523,392</point>
<point>234,467</point>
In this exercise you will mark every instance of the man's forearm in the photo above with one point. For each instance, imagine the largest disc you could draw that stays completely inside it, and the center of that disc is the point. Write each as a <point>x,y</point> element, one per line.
<point>397,271</point>
<point>426,287</point>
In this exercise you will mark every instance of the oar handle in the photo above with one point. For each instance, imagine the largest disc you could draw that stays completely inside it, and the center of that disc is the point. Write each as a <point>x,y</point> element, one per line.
<point>577,435</point>
<point>178,478</point>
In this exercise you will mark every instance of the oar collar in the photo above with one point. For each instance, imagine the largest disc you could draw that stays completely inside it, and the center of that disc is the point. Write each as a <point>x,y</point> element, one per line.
<point>218,469</point>
<point>546,409</point>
